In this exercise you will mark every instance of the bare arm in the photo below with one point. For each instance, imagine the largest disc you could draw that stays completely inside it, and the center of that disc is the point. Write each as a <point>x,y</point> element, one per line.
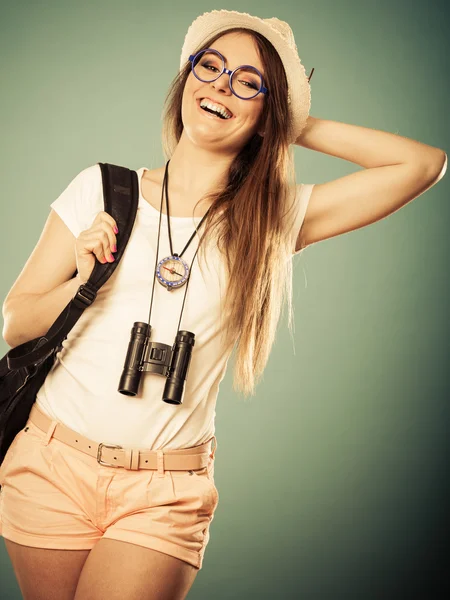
<point>46,284</point>
<point>28,316</point>
<point>396,170</point>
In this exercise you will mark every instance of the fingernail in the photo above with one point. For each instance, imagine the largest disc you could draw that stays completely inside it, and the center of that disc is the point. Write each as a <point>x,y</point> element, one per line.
<point>113,248</point>
<point>111,257</point>
<point>115,229</point>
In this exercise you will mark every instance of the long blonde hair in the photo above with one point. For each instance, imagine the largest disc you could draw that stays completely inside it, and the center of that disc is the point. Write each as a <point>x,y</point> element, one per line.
<point>250,216</point>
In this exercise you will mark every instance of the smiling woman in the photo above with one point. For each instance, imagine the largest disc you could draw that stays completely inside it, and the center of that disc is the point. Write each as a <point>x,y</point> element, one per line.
<point>107,495</point>
<point>249,179</point>
<point>229,119</point>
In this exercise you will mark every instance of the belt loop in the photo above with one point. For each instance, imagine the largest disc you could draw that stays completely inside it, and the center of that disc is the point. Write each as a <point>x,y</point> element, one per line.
<point>215,446</point>
<point>50,431</point>
<point>160,462</point>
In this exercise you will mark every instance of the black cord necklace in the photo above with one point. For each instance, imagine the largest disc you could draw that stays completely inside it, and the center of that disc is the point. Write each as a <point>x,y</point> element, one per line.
<point>173,272</point>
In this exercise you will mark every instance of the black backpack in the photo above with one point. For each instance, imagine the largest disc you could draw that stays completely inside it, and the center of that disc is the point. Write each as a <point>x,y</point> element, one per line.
<point>24,368</point>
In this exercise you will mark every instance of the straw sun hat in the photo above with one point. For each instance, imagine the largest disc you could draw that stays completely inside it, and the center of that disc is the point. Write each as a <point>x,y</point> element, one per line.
<point>279,34</point>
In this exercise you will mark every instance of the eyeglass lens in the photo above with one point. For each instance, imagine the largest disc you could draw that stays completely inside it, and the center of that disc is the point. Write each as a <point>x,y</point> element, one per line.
<point>246,81</point>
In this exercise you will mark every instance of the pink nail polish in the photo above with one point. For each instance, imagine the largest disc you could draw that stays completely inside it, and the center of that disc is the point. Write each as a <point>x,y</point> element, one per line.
<point>113,248</point>
<point>115,229</point>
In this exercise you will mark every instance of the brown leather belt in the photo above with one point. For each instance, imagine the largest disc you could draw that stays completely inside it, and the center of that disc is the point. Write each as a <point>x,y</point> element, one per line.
<point>184,459</point>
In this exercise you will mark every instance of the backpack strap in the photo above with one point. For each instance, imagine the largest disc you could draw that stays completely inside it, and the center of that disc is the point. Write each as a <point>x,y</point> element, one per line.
<point>120,197</point>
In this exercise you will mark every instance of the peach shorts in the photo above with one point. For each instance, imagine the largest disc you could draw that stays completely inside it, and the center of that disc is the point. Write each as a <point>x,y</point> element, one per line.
<point>55,496</point>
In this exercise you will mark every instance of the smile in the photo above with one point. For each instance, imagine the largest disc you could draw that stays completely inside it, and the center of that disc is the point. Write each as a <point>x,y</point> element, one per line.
<point>210,115</point>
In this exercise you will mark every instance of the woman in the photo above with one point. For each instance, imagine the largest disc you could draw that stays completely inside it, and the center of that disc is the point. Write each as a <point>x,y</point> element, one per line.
<point>241,99</point>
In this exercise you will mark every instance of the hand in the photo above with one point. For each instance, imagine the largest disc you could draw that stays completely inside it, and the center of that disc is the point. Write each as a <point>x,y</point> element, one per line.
<point>95,242</point>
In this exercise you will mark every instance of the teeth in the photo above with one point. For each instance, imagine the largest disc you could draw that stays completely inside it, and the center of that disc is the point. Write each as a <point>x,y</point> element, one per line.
<point>216,107</point>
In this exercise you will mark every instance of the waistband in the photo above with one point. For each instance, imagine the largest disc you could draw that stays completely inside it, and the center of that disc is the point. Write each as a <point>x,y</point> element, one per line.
<point>109,455</point>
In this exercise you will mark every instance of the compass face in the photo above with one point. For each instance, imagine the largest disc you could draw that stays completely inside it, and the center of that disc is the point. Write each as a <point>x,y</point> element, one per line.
<point>172,271</point>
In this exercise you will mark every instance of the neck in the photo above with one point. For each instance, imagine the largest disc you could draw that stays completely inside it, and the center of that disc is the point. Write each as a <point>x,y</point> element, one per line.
<point>196,171</point>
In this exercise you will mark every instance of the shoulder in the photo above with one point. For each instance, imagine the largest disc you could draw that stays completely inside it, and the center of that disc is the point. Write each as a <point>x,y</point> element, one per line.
<point>87,180</point>
<point>155,176</point>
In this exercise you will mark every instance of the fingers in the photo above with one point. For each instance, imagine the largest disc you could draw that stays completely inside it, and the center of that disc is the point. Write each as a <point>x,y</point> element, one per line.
<point>100,239</point>
<point>107,236</point>
<point>108,243</point>
<point>98,242</point>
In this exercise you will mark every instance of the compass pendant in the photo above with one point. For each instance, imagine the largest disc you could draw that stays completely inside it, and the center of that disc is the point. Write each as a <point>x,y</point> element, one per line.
<point>172,272</point>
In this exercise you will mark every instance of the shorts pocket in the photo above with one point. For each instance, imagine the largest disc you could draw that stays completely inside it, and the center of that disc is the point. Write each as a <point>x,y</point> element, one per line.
<point>198,483</point>
<point>33,431</point>
<point>207,473</point>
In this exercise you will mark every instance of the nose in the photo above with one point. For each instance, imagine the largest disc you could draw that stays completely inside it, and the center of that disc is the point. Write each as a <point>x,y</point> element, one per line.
<point>222,83</point>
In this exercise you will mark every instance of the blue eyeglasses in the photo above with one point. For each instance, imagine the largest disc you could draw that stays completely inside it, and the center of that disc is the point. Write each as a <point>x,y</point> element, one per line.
<point>245,81</point>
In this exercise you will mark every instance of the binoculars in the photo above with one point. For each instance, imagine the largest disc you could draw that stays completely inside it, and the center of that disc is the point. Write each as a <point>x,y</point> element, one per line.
<point>169,361</point>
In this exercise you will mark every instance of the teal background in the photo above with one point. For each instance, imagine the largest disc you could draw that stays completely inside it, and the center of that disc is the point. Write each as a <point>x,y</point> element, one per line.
<point>333,478</point>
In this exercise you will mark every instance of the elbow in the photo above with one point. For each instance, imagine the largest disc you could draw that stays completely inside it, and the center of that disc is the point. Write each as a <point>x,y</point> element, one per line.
<point>443,165</point>
<point>437,167</point>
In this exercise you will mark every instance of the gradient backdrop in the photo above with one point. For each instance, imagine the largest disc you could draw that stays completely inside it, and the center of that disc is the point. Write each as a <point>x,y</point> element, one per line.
<point>333,478</point>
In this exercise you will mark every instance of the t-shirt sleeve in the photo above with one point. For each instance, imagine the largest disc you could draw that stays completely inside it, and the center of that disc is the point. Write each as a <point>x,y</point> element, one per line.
<point>81,200</point>
<point>303,195</point>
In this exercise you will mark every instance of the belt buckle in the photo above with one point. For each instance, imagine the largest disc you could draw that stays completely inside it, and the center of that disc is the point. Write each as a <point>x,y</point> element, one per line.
<point>99,454</point>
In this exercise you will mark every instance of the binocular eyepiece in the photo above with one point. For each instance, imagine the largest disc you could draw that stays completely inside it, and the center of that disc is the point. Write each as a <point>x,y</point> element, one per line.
<point>161,359</point>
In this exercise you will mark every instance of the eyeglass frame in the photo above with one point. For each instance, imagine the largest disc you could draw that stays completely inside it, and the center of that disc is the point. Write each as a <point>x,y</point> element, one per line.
<point>262,89</point>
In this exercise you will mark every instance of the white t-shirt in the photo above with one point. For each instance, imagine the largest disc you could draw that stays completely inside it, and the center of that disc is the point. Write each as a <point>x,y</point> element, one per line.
<point>81,388</point>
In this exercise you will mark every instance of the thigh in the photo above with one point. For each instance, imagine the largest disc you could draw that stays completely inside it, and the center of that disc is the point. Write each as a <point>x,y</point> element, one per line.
<point>118,570</point>
<point>44,574</point>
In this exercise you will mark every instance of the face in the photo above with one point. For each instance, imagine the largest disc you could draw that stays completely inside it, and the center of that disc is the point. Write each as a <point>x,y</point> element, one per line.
<point>211,132</point>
